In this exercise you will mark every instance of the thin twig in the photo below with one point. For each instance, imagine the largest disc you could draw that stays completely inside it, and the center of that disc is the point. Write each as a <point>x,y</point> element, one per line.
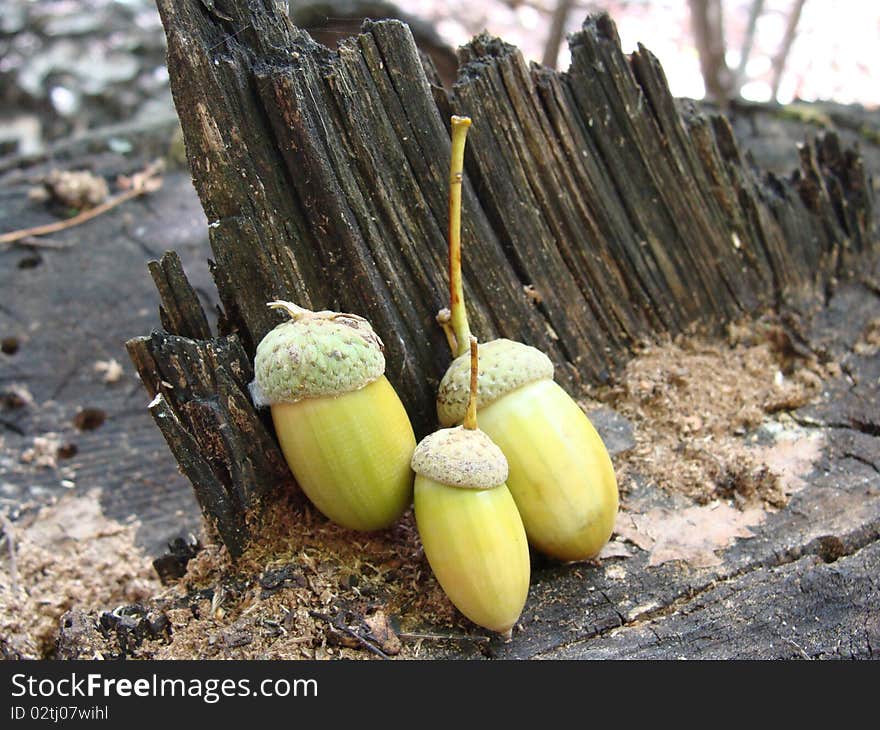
<point>457,307</point>
<point>446,637</point>
<point>147,181</point>
<point>781,57</point>
<point>349,632</point>
<point>797,646</point>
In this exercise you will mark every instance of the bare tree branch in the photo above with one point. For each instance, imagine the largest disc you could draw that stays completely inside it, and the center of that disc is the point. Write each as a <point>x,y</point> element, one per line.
<point>707,24</point>
<point>557,30</point>
<point>749,41</point>
<point>787,42</point>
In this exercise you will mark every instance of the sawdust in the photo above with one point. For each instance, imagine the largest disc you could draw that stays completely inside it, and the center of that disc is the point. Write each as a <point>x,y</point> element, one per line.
<point>695,405</point>
<point>62,556</point>
<point>307,589</point>
<point>43,454</point>
<point>792,456</point>
<point>77,189</point>
<point>869,342</point>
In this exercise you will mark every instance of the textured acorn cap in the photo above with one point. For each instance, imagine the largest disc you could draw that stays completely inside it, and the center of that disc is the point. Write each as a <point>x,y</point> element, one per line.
<point>505,365</point>
<point>317,354</point>
<point>460,457</point>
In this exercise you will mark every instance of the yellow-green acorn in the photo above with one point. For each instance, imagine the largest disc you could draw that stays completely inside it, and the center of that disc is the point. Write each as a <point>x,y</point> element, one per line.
<point>469,524</point>
<point>560,473</point>
<point>341,426</point>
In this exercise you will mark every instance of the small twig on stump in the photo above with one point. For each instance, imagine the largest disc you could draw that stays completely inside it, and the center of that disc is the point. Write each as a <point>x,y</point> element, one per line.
<point>349,632</point>
<point>146,181</point>
<point>445,637</point>
<point>781,57</point>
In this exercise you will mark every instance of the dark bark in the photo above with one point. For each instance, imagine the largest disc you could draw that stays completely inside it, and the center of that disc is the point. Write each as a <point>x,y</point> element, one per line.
<point>200,404</point>
<point>323,177</point>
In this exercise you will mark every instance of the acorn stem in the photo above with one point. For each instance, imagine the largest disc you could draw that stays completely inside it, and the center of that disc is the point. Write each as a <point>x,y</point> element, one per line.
<point>296,313</point>
<point>294,310</point>
<point>470,418</point>
<point>456,291</point>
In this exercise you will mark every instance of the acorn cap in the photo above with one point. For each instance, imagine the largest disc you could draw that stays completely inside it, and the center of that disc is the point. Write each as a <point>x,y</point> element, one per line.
<point>505,365</point>
<point>316,354</point>
<point>460,457</point>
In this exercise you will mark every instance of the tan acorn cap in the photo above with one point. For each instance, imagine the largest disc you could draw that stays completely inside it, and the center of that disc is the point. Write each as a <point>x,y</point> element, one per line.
<point>460,457</point>
<point>505,365</point>
<point>315,354</point>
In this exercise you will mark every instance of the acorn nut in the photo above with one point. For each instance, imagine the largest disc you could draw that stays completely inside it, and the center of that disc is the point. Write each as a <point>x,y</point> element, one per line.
<point>340,423</point>
<point>469,525</point>
<point>561,475</point>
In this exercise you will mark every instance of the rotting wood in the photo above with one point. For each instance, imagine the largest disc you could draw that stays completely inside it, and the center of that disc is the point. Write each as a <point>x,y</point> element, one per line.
<point>180,311</point>
<point>323,177</point>
<point>130,460</point>
<point>223,446</point>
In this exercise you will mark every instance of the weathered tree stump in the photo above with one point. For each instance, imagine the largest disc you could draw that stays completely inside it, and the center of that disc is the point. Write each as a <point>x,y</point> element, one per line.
<point>323,176</point>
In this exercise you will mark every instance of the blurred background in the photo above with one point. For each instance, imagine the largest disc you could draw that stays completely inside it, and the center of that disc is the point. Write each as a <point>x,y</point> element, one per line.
<point>70,66</point>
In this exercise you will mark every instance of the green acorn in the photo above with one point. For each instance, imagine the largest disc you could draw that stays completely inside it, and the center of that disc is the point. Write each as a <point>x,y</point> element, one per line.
<point>342,427</point>
<point>560,473</point>
<point>468,522</point>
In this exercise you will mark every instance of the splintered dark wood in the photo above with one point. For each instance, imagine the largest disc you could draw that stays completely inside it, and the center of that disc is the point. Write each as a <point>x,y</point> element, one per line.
<point>323,177</point>
<point>212,376</point>
<point>184,313</point>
